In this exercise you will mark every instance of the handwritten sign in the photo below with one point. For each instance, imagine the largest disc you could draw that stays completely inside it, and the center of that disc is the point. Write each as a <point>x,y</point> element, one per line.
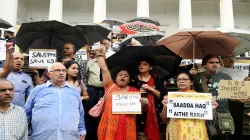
<point>2,49</point>
<point>126,103</point>
<point>190,62</point>
<point>80,55</point>
<point>236,74</point>
<point>234,89</point>
<point>190,105</point>
<point>241,66</point>
<point>41,58</point>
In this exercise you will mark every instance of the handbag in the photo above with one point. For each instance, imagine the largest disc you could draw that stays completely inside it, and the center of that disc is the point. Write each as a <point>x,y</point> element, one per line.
<point>211,129</point>
<point>96,111</point>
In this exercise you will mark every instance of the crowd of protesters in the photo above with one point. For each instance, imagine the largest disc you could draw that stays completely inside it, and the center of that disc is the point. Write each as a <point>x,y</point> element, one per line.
<point>55,105</point>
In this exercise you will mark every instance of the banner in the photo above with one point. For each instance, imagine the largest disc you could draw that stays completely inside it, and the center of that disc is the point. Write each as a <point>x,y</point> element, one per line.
<point>126,103</point>
<point>232,89</point>
<point>2,49</point>
<point>236,73</point>
<point>190,105</point>
<point>41,58</point>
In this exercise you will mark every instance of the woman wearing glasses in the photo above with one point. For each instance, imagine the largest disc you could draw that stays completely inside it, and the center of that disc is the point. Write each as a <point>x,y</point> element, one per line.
<point>179,129</point>
<point>73,77</point>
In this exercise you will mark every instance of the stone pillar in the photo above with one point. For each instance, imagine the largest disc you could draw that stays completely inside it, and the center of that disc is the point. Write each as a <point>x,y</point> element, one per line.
<point>99,11</point>
<point>8,12</point>
<point>55,10</point>
<point>142,8</point>
<point>185,14</point>
<point>226,14</point>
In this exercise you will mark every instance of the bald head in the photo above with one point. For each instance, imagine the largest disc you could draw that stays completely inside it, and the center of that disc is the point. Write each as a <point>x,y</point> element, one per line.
<point>6,92</point>
<point>18,61</point>
<point>69,49</point>
<point>57,73</point>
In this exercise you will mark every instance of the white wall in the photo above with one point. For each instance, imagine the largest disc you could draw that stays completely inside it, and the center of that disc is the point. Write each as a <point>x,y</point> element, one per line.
<point>205,12</point>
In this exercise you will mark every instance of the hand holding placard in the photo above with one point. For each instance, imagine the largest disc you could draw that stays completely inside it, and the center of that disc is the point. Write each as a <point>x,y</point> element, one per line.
<point>126,103</point>
<point>232,89</point>
<point>189,105</point>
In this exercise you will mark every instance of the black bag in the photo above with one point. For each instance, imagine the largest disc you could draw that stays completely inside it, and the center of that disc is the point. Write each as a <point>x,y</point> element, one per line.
<point>211,129</point>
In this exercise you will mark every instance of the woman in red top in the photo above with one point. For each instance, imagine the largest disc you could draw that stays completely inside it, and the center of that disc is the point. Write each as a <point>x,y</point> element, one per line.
<point>153,89</point>
<point>116,126</point>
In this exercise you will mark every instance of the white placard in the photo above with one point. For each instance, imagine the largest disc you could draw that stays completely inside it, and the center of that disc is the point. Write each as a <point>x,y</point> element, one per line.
<point>41,58</point>
<point>236,74</point>
<point>2,49</point>
<point>80,55</point>
<point>190,105</point>
<point>126,103</point>
<point>241,66</point>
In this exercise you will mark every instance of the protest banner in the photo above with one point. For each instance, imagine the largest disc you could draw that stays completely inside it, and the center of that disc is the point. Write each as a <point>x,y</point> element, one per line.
<point>2,49</point>
<point>80,55</point>
<point>41,58</point>
<point>126,103</point>
<point>241,66</point>
<point>190,105</point>
<point>232,89</point>
<point>235,73</point>
<point>190,62</point>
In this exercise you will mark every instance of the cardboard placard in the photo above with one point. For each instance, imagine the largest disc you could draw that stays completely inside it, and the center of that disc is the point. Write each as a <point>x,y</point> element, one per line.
<point>2,49</point>
<point>233,89</point>
<point>41,58</point>
<point>126,103</point>
<point>190,105</point>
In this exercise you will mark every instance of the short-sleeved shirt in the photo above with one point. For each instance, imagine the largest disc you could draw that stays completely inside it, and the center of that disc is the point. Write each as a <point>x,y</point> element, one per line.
<point>213,82</point>
<point>23,84</point>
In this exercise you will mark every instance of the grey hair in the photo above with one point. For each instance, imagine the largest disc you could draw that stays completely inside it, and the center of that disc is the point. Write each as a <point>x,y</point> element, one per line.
<point>50,67</point>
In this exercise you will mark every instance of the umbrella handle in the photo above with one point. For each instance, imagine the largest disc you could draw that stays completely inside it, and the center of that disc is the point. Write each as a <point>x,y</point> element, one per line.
<point>193,51</point>
<point>85,36</point>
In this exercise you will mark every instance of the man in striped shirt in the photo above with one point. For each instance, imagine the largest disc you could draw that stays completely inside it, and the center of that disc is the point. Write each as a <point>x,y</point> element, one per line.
<point>13,122</point>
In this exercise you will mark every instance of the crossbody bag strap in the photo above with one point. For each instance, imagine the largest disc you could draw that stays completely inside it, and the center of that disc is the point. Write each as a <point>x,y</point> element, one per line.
<point>203,82</point>
<point>107,92</point>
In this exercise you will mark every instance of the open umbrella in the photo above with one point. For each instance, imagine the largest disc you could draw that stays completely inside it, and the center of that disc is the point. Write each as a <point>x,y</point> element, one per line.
<point>94,33</point>
<point>49,35</point>
<point>138,26</point>
<point>113,22</point>
<point>196,43</point>
<point>146,19</point>
<point>165,61</point>
<point>242,35</point>
<point>4,24</point>
<point>145,38</point>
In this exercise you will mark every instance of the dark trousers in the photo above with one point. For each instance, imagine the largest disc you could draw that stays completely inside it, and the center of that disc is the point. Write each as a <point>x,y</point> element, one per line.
<point>92,123</point>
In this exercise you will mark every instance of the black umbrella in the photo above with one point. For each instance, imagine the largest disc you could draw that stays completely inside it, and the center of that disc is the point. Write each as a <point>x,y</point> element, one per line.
<point>4,24</point>
<point>145,38</point>
<point>147,20</point>
<point>113,22</point>
<point>49,35</point>
<point>94,32</point>
<point>166,62</point>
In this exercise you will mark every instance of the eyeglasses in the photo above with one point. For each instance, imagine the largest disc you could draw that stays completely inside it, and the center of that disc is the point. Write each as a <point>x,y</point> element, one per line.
<point>182,80</point>
<point>214,62</point>
<point>5,89</point>
<point>59,70</point>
